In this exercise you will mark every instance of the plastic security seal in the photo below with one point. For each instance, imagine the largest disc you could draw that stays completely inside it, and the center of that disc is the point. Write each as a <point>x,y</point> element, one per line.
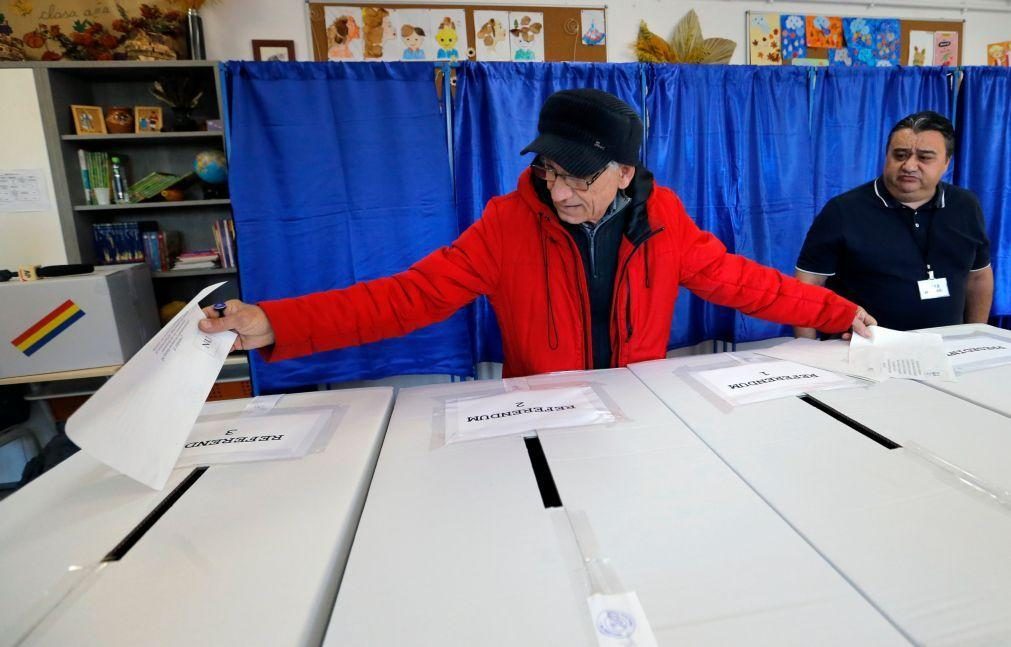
<point>616,613</point>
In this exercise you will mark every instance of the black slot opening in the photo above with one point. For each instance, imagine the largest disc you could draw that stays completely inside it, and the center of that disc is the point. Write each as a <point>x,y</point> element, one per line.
<point>152,517</point>
<point>884,441</point>
<point>542,472</point>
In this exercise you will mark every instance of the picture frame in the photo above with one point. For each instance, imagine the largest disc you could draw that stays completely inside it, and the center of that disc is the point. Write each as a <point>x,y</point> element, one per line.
<point>88,120</point>
<point>273,50</point>
<point>147,119</point>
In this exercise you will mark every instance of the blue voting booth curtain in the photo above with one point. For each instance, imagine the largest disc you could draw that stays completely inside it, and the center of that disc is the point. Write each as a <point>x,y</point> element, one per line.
<point>852,113</point>
<point>339,174</point>
<point>982,152</point>
<point>733,143</point>
<point>494,118</point>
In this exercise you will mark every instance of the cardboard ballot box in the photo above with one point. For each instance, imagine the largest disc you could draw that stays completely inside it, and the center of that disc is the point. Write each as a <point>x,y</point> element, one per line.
<point>239,554</point>
<point>73,322</point>
<point>920,540</point>
<point>466,544</point>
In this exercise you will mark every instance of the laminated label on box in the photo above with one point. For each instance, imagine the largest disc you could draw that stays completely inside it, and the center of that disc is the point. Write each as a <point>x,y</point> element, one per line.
<point>75,322</point>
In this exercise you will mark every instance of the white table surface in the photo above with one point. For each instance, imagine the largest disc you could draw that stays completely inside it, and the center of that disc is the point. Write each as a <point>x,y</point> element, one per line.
<point>251,554</point>
<point>456,548</point>
<point>927,551</point>
<point>988,387</point>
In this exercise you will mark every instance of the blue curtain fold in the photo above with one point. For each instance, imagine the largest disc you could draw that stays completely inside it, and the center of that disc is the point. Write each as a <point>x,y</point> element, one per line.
<point>982,151</point>
<point>494,117</point>
<point>733,143</point>
<point>854,109</point>
<point>340,174</point>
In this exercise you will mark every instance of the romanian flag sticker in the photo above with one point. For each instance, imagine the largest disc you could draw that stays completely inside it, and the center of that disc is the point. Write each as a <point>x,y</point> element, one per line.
<point>47,328</point>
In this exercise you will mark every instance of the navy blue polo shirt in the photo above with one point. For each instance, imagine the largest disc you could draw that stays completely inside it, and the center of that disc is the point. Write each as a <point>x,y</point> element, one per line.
<point>874,249</point>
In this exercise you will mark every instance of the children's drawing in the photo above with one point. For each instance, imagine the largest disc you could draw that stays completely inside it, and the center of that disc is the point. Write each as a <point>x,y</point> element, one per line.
<point>594,32</point>
<point>793,40</point>
<point>525,37</point>
<point>824,31</point>
<point>492,35</point>
<point>921,48</point>
<point>872,42</point>
<point>379,33</point>
<point>343,33</point>
<point>946,48</point>
<point>415,42</point>
<point>763,39</point>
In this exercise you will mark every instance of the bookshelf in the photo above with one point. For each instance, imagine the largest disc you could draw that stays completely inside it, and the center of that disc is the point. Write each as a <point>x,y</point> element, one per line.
<point>127,83</point>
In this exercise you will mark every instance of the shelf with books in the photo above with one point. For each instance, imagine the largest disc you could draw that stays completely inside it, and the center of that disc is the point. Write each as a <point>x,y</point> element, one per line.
<point>188,215</point>
<point>152,138</point>
<point>174,274</point>
<point>178,204</point>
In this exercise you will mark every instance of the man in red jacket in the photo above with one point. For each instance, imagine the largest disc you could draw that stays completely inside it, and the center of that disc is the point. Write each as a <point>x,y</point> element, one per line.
<point>582,264</point>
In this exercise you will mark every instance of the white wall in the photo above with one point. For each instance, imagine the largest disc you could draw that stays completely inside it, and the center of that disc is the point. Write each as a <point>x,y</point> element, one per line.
<point>229,25</point>
<point>35,237</point>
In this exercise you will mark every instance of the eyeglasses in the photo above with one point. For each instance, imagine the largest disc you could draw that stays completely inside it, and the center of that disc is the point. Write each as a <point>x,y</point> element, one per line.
<point>575,182</point>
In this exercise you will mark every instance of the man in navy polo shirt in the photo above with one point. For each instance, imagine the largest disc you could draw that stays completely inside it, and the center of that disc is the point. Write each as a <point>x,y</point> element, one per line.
<point>909,248</point>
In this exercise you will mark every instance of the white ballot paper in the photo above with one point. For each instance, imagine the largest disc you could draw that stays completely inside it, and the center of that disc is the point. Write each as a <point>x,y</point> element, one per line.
<point>760,381</point>
<point>619,621</point>
<point>974,352</point>
<point>252,438</point>
<point>831,355</point>
<point>517,412</point>
<point>138,421</point>
<point>909,355</point>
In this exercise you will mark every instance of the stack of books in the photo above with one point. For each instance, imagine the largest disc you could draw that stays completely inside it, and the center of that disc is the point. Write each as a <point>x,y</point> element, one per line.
<point>159,246</point>
<point>224,240</point>
<point>196,260</point>
<point>120,242</point>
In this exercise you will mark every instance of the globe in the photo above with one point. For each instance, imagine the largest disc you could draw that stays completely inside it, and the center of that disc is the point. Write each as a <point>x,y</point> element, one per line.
<point>211,167</point>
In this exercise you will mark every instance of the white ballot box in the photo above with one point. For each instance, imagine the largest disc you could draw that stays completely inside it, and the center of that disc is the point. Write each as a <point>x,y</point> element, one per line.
<point>925,548</point>
<point>502,540</point>
<point>247,554</point>
<point>73,322</point>
<point>981,355</point>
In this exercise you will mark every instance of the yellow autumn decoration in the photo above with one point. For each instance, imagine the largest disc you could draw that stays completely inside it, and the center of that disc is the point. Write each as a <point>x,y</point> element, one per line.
<point>686,45</point>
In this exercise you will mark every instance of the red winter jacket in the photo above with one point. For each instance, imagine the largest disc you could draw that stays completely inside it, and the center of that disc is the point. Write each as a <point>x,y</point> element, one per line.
<point>519,255</point>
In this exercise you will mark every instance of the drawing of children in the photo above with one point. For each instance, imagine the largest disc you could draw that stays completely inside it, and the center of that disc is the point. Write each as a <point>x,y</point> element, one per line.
<point>341,34</point>
<point>446,36</point>
<point>378,29</point>
<point>414,38</point>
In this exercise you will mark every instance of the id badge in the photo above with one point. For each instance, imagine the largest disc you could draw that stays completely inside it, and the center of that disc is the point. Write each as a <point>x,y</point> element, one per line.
<point>933,288</point>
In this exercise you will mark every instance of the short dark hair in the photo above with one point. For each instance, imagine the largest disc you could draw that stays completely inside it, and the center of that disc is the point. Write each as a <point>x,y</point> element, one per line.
<point>920,122</point>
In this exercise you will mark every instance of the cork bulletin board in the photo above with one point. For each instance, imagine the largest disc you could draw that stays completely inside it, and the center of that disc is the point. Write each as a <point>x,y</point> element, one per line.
<point>566,33</point>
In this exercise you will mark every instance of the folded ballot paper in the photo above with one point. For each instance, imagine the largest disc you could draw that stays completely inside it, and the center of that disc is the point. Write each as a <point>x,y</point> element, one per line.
<point>888,353</point>
<point>138,422</point>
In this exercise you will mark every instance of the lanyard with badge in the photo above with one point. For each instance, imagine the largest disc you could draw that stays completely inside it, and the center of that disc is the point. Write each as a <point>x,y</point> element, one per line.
<point>931,287</point>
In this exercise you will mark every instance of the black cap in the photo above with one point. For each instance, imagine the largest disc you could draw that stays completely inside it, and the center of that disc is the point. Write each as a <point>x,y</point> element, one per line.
<point>583,130</point>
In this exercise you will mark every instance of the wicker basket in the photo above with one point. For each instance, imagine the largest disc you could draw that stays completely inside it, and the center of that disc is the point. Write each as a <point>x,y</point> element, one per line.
<point>11,49</point>
<point>147,46</point>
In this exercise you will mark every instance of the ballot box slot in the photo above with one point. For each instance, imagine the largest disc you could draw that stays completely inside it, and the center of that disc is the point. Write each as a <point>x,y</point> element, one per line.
<point>542,472</point>
<point>152,517</point>
<point>884,441</point>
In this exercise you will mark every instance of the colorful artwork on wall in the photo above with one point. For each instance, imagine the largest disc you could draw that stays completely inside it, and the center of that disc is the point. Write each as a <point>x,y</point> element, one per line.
<point>793,36</point>
<point>763,39</point>
<point>946,48</point>
<point>824,31</point>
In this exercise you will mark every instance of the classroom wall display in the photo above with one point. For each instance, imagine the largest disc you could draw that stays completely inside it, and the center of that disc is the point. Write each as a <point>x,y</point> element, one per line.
<point>492,35</point>
<point>764,39</point>
<point>795,39</point>
<point>442,32</point>
<point>526,36</point>
<point>999,54</point>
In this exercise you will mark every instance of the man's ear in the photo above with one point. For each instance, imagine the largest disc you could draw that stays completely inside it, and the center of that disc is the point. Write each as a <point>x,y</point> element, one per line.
<point>625,175</point>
